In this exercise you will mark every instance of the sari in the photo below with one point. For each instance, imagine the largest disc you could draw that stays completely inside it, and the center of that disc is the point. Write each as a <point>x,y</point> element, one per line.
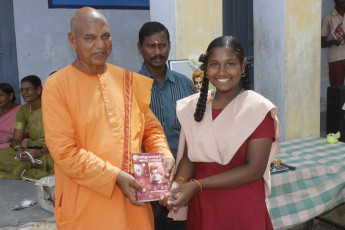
<point>7,120</point>
<point>11,168</point>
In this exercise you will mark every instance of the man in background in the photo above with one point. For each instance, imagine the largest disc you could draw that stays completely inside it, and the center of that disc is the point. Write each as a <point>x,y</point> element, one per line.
<point>333,23</point>
<point>168,87</point>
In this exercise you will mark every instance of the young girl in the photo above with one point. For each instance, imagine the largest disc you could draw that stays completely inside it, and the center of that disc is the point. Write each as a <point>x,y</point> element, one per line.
<point>233,136</point>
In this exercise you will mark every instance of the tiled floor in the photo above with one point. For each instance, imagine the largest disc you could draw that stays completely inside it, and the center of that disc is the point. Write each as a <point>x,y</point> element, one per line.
<point>12,192</point>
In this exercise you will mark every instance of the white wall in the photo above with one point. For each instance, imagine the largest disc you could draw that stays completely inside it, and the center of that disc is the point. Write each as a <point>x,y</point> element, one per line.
<point>42,44</point>
<point>163,11</point>
<point>269,51</point>
<point>327,6</point>
<point>287,47</point>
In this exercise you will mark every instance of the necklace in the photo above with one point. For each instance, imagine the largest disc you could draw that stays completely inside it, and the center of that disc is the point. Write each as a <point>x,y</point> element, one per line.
<point>30,109</point>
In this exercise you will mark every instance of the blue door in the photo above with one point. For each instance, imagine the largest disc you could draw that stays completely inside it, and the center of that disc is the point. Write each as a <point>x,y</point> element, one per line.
<point>8,51</point>
<point>238,22</point>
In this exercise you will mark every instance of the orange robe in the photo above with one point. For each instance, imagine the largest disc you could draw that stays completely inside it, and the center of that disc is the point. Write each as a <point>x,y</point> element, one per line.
<point>93,123</point>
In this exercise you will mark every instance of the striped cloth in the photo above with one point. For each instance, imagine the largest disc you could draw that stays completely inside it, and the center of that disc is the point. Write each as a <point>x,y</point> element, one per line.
<point>316,186</point>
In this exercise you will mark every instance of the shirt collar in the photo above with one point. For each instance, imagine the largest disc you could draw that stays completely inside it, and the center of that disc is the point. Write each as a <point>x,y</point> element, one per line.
<point>334,12</point>
<point>168,75</point>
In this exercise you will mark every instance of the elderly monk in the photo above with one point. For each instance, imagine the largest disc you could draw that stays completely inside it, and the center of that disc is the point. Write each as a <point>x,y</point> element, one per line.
<point>95,116</point>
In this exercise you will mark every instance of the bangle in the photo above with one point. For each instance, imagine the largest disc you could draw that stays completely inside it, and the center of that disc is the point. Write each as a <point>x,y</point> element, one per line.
<point>180,178</point>
<point>17,146</point>
<point>198,184</point>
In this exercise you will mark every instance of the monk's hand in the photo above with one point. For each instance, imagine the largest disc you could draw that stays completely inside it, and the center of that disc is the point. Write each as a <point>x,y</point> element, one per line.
<point>182,195</point>
<point>169,168</point>
<point>129,186</point>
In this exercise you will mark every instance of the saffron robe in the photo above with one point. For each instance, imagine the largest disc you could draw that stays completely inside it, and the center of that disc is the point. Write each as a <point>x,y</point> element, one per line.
<point>219,140</point>
<point>93,124</point>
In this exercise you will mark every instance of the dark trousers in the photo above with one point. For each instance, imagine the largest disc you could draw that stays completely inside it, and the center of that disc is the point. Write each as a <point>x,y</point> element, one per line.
<point>336,73</point>
<point>162,222</point>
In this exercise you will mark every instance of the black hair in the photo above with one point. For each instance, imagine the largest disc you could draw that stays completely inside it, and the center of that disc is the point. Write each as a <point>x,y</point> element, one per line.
<point>150,28</point>
<point>33,79</point>
<point>8,89</point>
<point>236,47</point>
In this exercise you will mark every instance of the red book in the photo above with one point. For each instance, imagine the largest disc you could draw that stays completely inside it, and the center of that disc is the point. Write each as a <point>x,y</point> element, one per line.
<point>149,171</point>
<point>338,32</point>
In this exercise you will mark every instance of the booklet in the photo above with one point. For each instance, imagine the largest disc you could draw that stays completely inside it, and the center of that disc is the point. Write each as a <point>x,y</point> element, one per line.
<point>338,32</point>
<point>149,171</point>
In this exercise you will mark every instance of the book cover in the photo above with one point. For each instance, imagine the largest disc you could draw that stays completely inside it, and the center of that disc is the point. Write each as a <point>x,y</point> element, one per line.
<point>338,32</point>
<point>149,171</point>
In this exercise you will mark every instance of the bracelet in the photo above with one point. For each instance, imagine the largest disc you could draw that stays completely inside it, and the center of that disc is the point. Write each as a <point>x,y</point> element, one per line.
<point>17,146</point>
<point>198,184</point>
<point>180,178</point>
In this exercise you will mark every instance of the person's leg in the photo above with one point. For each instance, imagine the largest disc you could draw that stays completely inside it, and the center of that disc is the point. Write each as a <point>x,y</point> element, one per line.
<point>159,219</point>
<point>342,77</point>
<point>336,73</point>
<point>162,222</point>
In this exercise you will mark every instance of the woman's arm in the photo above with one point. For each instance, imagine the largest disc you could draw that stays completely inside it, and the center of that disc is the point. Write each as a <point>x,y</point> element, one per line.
<point>258,151</point>
<point>35,153</point>
<point>184,173</point>
<point>16,142</point>
<point>185,167</point>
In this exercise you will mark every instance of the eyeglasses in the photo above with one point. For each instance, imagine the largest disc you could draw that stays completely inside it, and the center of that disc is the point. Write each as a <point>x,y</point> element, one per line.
<point>22,90</point>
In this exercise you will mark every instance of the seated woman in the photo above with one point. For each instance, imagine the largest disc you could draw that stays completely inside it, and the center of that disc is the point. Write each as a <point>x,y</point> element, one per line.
<point>33,162</point>
<point>8,111</point>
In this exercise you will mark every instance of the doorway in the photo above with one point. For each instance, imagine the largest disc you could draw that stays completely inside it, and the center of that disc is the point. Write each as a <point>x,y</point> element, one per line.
<point>238,22</point>
<point>8,50</point>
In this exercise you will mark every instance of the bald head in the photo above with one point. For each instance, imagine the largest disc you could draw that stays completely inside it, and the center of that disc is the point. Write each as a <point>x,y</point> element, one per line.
<point>90,37</point>
<point>85,15</point>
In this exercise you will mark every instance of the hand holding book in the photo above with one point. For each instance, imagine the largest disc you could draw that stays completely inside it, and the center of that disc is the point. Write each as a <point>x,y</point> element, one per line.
<point>128,185</point>
<point>150,172</point>
<point>338,34</point>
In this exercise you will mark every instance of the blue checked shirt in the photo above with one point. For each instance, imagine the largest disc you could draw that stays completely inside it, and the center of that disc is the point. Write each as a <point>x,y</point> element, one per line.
<point>163,102</point>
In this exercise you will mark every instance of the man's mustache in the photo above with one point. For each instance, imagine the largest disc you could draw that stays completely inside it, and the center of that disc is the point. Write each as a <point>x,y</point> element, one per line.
<point>157,56</point>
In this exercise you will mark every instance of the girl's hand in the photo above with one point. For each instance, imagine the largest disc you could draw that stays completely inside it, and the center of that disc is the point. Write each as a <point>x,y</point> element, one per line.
<point>182,195</point>
<point>169,167</point>
<point>167,197</point>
